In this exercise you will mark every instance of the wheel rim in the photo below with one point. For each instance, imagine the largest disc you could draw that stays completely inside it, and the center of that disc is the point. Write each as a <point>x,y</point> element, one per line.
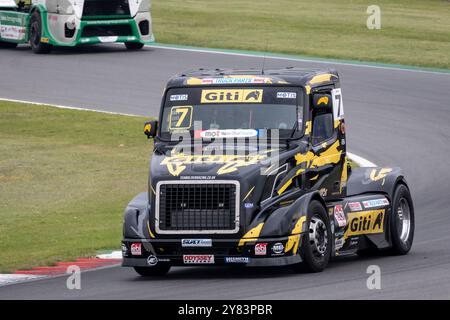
<point>318,236</point>
<point>35,37</point>
<point>404,219</point>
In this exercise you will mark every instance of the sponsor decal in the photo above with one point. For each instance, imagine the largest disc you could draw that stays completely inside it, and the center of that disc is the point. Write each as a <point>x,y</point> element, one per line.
<point>339,215</point>
<point>12,32</point>
<point>230,80</point>
<point>232,96</point>
<point>227,133</point>
<point>375,203</point>
<point>152,260</point>
<point>248,205</point>
<point>355,206</point>
<point>287,95</point>
<point>136,249</point>
<point>108,39</point>
<point>198,259</point>
<point>237,259</point>
<point>365,222</point>
<point>378,174</point>
<point>278,248</point>
<point>176,163</point>
<point>338,243</point>
<point>179,97</point>
<point>260,249</point>
<point>196,242</point>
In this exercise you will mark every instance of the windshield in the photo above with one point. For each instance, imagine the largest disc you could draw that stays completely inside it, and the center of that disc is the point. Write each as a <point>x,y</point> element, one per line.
<point>232,112</point>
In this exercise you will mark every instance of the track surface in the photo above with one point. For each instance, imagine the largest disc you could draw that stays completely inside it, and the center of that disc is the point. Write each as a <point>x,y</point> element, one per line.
<point>394,117</point>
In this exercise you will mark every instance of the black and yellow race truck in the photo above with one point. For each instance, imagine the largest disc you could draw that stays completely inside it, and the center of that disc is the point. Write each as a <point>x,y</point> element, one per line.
<point>250,168</point>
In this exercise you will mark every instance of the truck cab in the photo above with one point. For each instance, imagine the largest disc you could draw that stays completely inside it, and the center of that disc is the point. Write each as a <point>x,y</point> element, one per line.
<point>251,168</point>
<point>48,23</point>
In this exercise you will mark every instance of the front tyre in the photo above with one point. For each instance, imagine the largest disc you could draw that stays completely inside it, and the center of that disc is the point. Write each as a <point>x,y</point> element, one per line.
<point>315,249</point>
<point>36,34</point>
<point>402,221</point>
<point>133,46</point>
<point>152,271</point>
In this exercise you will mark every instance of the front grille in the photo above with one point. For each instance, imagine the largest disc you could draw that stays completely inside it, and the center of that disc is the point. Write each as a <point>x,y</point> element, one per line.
<point>107,31</point>
<point>197,207</point>
<point>95,8</point>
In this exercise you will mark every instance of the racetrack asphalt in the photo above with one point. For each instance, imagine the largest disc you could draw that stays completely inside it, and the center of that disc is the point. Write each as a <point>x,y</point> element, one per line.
<point>394,117</point>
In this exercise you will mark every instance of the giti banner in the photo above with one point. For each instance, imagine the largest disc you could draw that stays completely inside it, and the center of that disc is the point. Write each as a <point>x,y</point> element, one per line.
<point>232,96</point>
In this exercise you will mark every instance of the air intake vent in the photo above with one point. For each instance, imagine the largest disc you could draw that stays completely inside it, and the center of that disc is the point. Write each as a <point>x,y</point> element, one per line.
<point>197,207</point>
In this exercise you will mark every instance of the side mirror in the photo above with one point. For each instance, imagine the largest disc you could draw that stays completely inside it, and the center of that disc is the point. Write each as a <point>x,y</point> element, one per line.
<point>322,100</point>
<point>150,129</point>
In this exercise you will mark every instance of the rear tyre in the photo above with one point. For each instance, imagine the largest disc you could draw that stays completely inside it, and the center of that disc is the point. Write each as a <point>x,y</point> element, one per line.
<point>36,33</point>
<point>134,45</point>
<point>152,271</point>
<point>401,221</point>
<point>7,45</point>
<point>315,248</point>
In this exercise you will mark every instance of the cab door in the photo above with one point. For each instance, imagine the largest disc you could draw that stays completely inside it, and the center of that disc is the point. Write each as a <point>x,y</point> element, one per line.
<point>328,145</point>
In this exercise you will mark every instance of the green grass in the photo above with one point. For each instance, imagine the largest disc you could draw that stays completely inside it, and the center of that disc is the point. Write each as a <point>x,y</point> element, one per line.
<point>65,179</point>
<point>414,32</point>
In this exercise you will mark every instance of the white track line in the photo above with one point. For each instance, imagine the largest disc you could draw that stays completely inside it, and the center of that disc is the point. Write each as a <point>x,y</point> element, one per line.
<point>113,255</point>
<point>6,279</point>
<point>275,57</point>
<point>360,161</point>
<point>67,107</point>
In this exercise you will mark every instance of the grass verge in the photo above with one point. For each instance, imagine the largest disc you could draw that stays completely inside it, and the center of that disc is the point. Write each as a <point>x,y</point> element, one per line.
<point>413,32</point>
<point>65,179</point>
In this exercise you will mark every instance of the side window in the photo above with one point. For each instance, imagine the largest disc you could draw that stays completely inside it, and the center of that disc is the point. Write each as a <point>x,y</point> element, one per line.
<point>322,129</point>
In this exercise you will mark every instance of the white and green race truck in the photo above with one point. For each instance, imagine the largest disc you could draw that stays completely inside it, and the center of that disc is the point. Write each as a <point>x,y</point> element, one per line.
<point>48,23</point>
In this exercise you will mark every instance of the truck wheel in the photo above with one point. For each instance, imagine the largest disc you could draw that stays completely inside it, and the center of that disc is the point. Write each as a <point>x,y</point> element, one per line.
<point>402,221</point>
<point>152,271</point>
<point>35,35</point>
<point>7,45</point>
<point>134,45</point>
<point>315,248</point>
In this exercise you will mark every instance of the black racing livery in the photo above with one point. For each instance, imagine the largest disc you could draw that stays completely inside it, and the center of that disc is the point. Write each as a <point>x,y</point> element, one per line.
<point>250,168</point>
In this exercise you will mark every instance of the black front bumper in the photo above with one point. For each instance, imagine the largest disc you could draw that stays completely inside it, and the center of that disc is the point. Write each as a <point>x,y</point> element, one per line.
<point>225,252</point>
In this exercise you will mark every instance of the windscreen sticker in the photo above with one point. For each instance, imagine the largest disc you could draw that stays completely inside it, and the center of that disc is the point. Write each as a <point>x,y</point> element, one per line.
<point>244,79</point>
<point>286,95</point>
<point>232,96</point>
<point>227,133</point>
<point>179,97</point>
<point>180,118</point>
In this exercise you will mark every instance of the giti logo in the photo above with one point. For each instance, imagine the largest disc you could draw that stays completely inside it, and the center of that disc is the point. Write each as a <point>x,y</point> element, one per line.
<point>232,96</point>
<point>365,222</point>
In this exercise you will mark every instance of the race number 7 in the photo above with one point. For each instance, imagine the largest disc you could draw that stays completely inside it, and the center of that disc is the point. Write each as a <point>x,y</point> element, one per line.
<point>180,117</point>
<point>338,107</point>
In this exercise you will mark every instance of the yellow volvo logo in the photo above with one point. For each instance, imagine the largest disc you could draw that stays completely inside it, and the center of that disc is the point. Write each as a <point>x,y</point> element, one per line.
<point>232,96</point>
<point>365,222</point>
<point>323,100</point>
